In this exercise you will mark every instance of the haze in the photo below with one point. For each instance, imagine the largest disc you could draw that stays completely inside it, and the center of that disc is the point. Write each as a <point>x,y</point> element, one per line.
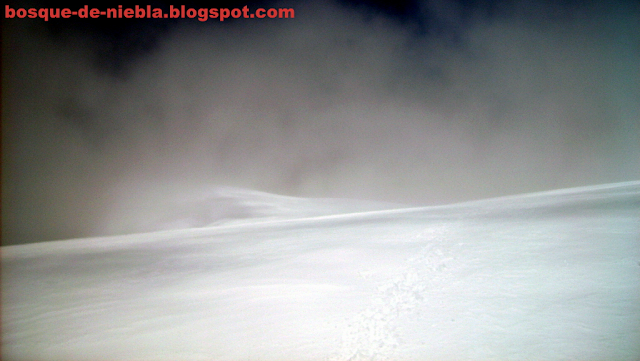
<point>453,102</point>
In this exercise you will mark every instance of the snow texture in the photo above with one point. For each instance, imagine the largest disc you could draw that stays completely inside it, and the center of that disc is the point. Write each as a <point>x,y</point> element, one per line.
<point>546,276</point>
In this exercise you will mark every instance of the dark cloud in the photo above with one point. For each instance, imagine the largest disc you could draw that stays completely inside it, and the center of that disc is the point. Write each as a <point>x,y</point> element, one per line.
<point>426,103</point>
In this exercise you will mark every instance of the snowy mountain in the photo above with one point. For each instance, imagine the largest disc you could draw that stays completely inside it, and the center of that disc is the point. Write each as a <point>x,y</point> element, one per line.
<point>546,276</point>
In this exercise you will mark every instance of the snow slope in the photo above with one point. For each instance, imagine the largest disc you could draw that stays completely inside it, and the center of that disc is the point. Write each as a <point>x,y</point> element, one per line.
<point>547,276</point>
<point>157,208</point>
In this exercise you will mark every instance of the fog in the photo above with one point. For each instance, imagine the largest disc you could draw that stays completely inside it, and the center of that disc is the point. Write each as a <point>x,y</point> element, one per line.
<point>449,103</point>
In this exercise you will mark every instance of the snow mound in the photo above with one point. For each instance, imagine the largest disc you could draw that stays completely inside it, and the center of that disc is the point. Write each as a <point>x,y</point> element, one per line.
<point>221,205</point>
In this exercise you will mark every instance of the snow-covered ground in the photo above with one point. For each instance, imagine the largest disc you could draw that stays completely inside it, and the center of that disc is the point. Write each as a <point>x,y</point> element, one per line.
<point>546,276</point>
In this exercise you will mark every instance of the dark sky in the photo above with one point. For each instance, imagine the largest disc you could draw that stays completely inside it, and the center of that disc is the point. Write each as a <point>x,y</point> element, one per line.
<point>419,102</point>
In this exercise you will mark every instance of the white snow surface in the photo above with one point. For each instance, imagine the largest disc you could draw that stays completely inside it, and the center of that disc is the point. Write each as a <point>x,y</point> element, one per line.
<point>546,276</point>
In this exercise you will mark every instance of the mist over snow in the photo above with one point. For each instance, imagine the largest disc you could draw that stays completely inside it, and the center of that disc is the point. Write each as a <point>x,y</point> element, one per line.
<point>429,103</point>
<point>370,180</point>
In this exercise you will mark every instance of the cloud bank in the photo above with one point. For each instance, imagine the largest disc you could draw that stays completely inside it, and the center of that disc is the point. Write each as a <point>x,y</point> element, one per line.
<point>339,102</point>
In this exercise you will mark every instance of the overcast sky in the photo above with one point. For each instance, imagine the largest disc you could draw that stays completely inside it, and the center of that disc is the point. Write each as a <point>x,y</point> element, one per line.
<point>420,103</point>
